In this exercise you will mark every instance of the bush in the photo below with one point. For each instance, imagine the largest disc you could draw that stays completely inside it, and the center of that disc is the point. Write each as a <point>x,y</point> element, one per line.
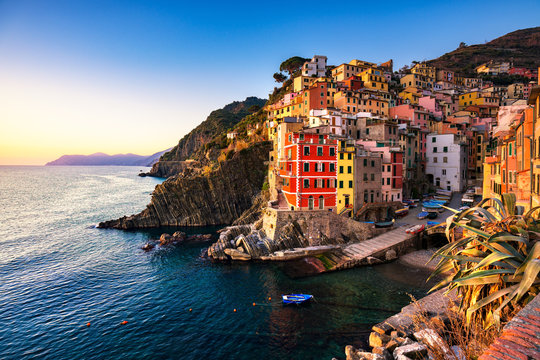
<point>493,259</point>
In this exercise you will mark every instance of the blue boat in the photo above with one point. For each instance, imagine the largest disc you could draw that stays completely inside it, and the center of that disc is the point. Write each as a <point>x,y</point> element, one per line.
<point>432,223</point>
<point>422,215</point>
<point>296,298</point>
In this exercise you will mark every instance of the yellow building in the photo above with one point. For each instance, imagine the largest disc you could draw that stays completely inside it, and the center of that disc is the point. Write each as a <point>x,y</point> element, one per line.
<point>411,94</point>
<point>478,97</point>
<point>345,176</point>
<point>424,69</point>
<point>374,79</point>
<point>418,81</point>
<point>302,82</point>
<point>354,67</point>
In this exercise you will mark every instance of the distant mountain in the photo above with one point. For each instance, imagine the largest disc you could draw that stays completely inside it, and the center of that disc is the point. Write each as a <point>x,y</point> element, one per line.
<point>520,47</point>
<point>99,159</point>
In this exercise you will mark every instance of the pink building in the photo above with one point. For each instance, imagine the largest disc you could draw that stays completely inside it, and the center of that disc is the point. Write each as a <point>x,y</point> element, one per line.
<point>432,105</point>
<point>415,114</point>
<point>392,168</point>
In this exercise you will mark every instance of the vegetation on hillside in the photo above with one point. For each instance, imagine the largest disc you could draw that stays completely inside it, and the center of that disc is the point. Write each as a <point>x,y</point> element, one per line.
<point>216,124</point>
<point>521,47</point>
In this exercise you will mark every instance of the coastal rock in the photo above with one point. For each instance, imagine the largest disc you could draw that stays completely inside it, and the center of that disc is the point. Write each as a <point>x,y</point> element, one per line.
<point>216,197</point>
<point>432,340</point>
<point>412,351</point>
<point>147,247</point>
<point>390,255</point>
<point>165,239</point>
<point>383,352</point>
<point>378,340</point>
<point>237,255</point>
<point>391,345</point>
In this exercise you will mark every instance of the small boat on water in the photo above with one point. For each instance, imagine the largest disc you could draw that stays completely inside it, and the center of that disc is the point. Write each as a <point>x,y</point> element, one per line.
<point>402,212</point>
<point>422,215</point>
<point>432,215</point>
<point>415,229</point>
<point>384,224</point>
<point>296,298</point>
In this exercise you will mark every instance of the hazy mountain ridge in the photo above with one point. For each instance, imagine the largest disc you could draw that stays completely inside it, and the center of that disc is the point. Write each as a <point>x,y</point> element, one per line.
<point>101,159</point>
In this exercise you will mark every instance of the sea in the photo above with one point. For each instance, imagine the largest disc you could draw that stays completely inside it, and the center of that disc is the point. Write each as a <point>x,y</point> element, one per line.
<point>69,290</point>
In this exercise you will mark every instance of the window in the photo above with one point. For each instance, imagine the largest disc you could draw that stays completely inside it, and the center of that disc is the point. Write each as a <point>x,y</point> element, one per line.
<point>332,151</point>
<point>323,167</point>
<point>321,139</point>
<point>340,156</point>
<point>444,159</point>
<point>332,167</point>
<point>350,184</point>
<point>365,177</point>
<point>445,149</point>
<point>365,162</point>
<point>433,139</point>
<point>306,150</point>
<point>435,159</point>
<point>306,183</point>
<point>319,151</point>
<point>341,184</point>
<point>372,163</point>
<point>341,169</point>
<point>435,149</point>
<point>315,182</point>
<point>306,166</point>
<point>349,169</point>
<point>387,181</point>
<point>444,171</point>
<point>372,177</point>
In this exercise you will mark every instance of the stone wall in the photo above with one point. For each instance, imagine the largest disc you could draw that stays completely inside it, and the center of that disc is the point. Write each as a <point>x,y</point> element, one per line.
<point>317,226</point>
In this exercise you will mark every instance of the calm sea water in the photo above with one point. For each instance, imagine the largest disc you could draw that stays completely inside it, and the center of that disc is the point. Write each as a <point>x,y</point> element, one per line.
<point>58,272</point>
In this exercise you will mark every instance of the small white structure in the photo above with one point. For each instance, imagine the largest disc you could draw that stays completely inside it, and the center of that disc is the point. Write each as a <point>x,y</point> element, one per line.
<point>232,135</point>
<point>446,161</point>
<point>315,67</point>
<point>327,117</point>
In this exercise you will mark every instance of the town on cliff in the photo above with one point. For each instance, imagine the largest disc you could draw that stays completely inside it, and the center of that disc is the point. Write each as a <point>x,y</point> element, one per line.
<point>340,149</point>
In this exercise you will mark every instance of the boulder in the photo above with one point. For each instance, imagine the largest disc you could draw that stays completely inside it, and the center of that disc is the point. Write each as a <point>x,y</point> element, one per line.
<point>368,356</point>
<point>412,351</point>
<point>148,246</point>
<point>198,237</point>
<point>373,260</point>
<point>165,239</point>
<point>391,345</point>
<point>390,255</point>
<point>433,340</point>
<point>377,340</point>
<point>237,255</point>
<point>383,352</point>
<point>179,236</point>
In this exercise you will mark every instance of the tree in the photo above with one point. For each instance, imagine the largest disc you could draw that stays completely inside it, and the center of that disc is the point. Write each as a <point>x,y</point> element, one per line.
<point>279,77</point>
<point>462,45</point>
<point>293,64</point>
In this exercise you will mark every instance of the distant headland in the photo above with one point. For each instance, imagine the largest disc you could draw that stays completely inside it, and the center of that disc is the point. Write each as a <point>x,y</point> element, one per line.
<point>101,159</point>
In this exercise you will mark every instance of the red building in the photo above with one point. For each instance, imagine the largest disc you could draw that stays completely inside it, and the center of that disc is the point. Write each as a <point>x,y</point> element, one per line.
<point>531,74</point>
<point>309,171</point>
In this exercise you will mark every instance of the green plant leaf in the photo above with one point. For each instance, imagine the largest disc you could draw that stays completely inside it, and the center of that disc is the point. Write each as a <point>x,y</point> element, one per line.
<point>530,275</point>
<point>490,259</point>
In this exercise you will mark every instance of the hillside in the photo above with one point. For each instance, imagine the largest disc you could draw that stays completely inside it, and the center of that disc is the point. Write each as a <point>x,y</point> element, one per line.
<point>522,47</point>
<point>99,159</point>
<point>216,124</point>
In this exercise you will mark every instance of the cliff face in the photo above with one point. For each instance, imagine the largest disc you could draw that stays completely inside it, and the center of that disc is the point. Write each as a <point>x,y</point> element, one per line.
<point>197,199</point>
<point>218,122</point>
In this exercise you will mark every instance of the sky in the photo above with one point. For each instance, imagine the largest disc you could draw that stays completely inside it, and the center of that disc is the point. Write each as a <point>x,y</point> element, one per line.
<point>79,77</point>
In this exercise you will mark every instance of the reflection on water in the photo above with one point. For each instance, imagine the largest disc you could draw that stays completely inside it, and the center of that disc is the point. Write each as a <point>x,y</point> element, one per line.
<point>59,273</point>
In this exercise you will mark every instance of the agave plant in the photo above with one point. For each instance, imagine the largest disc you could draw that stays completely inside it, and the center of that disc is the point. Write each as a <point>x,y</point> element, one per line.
<point>492,259</point>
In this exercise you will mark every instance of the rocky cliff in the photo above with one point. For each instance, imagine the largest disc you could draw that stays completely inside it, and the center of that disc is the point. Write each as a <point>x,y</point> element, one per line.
<point>201,198</point>
<point>216,124</point>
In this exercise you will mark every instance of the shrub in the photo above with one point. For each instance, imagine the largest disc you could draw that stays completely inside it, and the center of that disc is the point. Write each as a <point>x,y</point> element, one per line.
<point>493,259</point>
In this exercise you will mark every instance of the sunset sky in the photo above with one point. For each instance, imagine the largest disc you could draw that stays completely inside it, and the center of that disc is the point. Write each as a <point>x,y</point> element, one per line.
<point>79,77</point>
